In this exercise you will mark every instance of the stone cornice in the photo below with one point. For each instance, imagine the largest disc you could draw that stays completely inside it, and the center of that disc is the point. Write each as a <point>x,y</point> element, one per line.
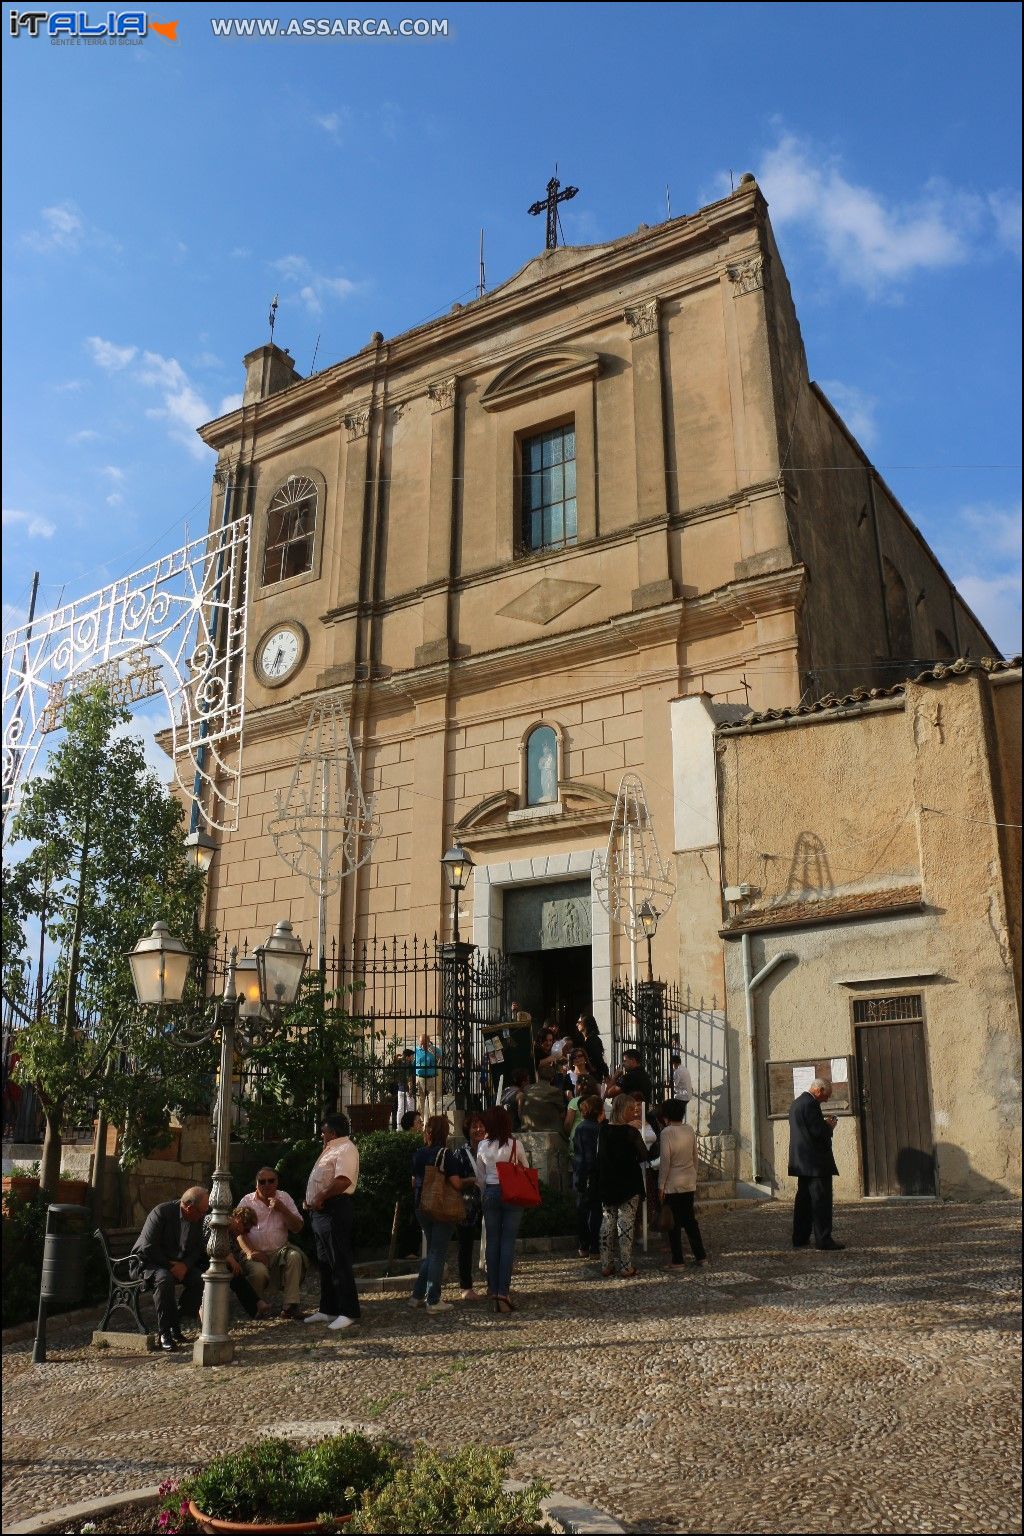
<point>441,344</point>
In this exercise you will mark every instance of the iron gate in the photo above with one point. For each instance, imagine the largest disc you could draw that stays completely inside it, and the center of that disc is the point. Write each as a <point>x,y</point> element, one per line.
<point>661,1020</point>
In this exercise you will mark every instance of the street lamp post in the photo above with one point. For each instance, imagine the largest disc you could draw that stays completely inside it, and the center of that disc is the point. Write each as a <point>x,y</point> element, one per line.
<point>256,990</point>
<point>650,1010</point>
<point>456,1024</point>
<point>649,915</point>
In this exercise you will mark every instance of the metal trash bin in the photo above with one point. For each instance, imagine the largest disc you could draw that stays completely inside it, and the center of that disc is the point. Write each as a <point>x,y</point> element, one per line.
<point>63,1279</point>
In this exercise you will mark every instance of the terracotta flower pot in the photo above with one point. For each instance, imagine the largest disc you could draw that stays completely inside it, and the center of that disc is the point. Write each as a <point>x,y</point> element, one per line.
<point>236,1527</point>
<point>20,1186</point>
<point>72,1192</point>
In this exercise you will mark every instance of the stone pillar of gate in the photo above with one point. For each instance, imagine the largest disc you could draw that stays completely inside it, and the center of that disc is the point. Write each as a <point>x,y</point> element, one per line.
<point>456,1065</point>
<point>650,1032</point>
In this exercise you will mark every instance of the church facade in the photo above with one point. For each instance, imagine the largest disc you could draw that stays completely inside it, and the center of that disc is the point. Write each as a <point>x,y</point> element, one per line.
<point>504,542</point>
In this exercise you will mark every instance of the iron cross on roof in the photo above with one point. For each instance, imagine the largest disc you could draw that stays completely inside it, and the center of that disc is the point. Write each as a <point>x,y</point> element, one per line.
<point>550,205</point>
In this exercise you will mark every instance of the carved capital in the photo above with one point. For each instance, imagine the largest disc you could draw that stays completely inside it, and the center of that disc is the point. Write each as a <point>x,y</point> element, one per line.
<point>357,423</point>
<point>395,411</point>
<point>642,319</point>
<point>442,394</point>
<point>748,276</point>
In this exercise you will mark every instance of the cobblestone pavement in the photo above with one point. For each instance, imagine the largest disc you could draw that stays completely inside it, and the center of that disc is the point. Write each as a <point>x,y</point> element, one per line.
<point>872,1390</point>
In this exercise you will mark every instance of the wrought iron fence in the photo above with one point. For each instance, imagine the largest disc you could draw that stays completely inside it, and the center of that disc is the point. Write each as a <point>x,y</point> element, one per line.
<point>664,1020</point>
<point>405,991</point>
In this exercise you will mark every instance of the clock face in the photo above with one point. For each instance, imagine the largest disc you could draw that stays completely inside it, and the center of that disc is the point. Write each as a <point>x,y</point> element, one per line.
<point>279,655</point>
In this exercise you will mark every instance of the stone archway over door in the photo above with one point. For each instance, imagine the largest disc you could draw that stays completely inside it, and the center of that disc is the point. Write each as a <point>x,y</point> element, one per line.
<point>492,881</point>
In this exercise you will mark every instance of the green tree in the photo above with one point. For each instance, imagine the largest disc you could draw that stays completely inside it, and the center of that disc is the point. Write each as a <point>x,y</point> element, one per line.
<point>105,859</point>
<point>293,1070</point>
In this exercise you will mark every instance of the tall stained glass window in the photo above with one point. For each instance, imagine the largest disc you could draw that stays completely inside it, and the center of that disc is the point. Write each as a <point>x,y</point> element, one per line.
<point>549,489</point>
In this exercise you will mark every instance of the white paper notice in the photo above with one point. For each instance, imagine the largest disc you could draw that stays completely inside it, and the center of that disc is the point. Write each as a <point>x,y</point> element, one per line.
<point>803,1077</point>
<point>839,1069</point>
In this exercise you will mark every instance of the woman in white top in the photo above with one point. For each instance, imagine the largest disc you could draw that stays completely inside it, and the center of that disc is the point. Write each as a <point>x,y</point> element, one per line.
<point>677,1181</point>
<point>501,1222</point>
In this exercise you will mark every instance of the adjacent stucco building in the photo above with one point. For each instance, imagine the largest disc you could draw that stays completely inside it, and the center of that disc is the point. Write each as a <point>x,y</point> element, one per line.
<point>871,861</point>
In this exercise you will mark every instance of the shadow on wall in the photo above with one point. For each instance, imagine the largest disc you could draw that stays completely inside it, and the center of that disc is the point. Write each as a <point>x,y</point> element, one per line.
<point>959,1181</point>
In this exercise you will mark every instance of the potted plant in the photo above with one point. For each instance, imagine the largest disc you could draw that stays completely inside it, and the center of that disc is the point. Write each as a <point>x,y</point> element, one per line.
<point>274,1488</point>
<point>21,1183</point>
<point>452,1491</point>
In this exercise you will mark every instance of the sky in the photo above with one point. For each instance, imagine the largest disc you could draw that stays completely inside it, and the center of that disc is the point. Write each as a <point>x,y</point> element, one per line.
<point>157,196</point>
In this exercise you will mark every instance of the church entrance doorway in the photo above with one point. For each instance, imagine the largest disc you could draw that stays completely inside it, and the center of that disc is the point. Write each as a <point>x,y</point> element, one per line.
<point>547,936</point>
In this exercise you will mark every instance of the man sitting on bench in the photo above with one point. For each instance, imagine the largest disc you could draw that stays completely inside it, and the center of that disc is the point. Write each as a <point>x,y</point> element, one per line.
<point>171,1251</point>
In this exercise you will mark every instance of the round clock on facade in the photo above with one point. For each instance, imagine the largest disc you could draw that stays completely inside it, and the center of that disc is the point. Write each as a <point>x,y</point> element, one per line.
<point>280,654</point>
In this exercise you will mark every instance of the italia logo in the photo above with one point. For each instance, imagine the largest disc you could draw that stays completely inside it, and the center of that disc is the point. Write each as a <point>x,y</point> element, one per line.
<point>78,24</point>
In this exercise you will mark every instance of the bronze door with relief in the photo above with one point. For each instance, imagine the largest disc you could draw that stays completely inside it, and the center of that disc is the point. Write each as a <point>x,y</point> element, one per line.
<point>896,1126</point>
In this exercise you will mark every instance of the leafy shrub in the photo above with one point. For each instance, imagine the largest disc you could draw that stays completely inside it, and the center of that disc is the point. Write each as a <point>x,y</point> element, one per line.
<point>442,1491</point>
<point>385,1175</point>
<point>273,1479</point>
<point>554,1217</point>
<point>24,1229</point>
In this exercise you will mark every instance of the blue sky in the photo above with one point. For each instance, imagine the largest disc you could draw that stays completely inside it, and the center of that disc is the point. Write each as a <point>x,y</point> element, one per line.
<point>156,197</point>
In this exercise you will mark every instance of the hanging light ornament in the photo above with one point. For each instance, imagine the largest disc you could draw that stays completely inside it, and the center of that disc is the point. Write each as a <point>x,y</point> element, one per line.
<point>325,827</point>
<point>632,873</point>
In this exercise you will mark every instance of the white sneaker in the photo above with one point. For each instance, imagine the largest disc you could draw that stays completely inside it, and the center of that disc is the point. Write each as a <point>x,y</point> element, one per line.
<point>416,1302</point>
<point>319,1317</point>
<point>439,1306</point>
<point>342,1322</point>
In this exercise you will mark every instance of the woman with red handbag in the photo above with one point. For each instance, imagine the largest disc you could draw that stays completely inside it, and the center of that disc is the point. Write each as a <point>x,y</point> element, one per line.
<point>508,1185</point>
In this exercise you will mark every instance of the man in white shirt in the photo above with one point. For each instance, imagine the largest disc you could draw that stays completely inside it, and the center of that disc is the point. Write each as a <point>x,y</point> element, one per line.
<point>329,1192</point>
<point>682,1084</point>
<point>267,1254</point>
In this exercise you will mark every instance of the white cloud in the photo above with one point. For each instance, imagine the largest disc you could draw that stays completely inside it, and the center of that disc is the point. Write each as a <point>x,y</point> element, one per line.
<point>108,355</point>
<point>984,555</point>
<point>115,499</point>
<point>36,527</point>
<point>183,407</point>
<point>856,407</point>
<point>14,617</point>
<point>230,403</point>
<point>1005,208</point>
<point>310,287</point>
<point>85,435</point>
<point>874,241</point>
<point>335,124</point>
<point>68,387</point>
<point>997,602</point>
<point>1001,530</point>
<point>207,360</point>
<point>114,472</point>
<point>63,230</point>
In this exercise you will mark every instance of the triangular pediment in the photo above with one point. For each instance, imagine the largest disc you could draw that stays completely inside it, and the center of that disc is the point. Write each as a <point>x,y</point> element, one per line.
<point>540,373</point>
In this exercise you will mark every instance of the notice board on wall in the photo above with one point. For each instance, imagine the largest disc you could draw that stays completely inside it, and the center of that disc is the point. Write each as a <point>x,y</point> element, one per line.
<point>786,1080</point>
<point>508,1048</point>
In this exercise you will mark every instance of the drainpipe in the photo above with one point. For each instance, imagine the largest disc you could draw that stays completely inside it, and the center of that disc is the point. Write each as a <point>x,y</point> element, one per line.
<point>750,986</point>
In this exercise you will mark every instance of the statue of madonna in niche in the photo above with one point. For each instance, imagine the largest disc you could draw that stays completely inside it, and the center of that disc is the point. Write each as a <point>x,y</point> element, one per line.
<point>542,766</point>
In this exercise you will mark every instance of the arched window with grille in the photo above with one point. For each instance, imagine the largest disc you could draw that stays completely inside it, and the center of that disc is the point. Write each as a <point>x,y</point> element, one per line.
<point>291,530</point>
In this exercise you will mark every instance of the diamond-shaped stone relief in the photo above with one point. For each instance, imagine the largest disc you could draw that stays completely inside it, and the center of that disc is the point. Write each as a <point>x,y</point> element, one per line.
<point>547,599</point>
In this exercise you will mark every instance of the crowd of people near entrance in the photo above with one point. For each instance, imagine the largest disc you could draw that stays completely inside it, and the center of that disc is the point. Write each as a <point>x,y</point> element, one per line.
<point>630,1158</point>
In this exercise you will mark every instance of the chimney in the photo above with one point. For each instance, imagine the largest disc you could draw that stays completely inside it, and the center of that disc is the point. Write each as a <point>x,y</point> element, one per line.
<point>268,370</point>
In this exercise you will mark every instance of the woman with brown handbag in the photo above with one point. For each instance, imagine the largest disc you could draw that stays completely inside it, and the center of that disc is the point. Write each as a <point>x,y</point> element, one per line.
<point>439,1207</point>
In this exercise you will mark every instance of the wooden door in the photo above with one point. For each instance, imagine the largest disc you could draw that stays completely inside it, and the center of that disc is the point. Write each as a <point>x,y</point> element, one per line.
<point>896,1127</point>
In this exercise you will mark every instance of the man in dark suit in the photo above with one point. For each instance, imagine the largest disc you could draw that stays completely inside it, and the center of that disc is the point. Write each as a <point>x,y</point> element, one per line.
<point>812,1163</point>
<point>171,1250</point>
